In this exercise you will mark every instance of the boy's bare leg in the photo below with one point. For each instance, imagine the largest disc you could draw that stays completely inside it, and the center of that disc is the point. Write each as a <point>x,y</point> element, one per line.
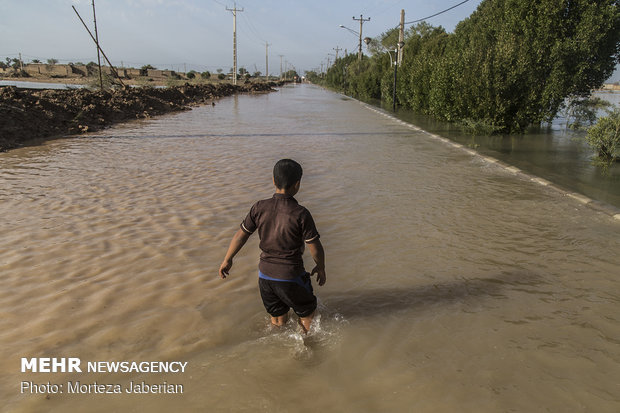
<point>280,320</point>
<point>305,322</point>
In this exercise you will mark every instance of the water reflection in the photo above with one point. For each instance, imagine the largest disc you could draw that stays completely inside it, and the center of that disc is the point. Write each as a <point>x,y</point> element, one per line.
<point>39,85</point>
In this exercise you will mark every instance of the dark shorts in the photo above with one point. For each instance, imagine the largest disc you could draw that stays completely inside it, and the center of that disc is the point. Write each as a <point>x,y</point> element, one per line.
<point>279,296</point>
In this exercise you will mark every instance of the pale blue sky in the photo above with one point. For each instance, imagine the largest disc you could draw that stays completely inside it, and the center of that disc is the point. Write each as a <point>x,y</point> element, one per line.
<point>197,34</point>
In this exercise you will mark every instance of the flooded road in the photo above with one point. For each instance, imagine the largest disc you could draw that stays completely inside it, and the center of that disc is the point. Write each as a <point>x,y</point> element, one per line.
<point>452,284</point>
<point>554,151</point>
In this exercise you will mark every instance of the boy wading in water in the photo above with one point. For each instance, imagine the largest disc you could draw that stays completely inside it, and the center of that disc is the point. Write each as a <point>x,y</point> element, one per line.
<point>283,227</point>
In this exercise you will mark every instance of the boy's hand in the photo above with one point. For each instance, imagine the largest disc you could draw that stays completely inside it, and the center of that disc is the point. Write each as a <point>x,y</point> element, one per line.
<point>236,243</point>
<point>320,274</point>
<point>225,267</point>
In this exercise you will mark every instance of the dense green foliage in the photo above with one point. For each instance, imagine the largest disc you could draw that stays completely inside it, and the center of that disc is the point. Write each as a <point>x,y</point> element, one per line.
<point>604,137</point>
<point>581,112</point>
<point>511,64</point>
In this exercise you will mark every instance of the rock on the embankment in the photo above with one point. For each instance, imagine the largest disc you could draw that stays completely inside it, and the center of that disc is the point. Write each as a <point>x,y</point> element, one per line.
<point>27,114</point>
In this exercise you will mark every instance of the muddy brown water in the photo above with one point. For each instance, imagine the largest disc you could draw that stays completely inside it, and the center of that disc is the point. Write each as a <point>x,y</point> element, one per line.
<point>453,285</point>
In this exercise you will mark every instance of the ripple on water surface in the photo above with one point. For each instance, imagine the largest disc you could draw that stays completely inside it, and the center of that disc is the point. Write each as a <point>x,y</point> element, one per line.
<point>453,285</point>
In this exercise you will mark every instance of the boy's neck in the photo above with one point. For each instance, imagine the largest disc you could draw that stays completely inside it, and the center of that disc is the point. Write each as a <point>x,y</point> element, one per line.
<point>291,191</point>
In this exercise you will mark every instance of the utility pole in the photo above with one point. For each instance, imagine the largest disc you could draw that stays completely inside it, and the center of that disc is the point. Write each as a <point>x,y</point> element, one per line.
<point>112,69</point>
<point>21,62</point>
<point>97,41</point>
<point>336,49</point>
<point>281,56</point>
<point>401,36</point>
<point>361,20</point>
<point>267,61</point>
<point>234,13</point>
<point>285,68</point>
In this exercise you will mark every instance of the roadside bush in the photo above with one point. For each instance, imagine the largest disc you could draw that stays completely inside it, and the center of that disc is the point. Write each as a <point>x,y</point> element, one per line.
<point>205,75</point>
<point>221,76</point>
<point>191,74</point>
<point>604,136</point>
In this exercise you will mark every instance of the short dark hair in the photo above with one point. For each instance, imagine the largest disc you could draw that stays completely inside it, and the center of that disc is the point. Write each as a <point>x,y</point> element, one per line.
<point>286,172</point>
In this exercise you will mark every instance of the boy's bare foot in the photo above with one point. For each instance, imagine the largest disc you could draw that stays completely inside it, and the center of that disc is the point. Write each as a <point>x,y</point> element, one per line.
<point>279,321</point>
<point>305,322</point>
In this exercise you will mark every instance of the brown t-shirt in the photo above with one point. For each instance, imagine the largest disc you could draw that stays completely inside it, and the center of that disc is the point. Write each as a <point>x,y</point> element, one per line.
<point>283,227</point>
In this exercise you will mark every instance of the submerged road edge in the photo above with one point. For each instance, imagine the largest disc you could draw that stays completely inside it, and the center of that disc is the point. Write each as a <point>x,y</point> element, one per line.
<point>593,204</point>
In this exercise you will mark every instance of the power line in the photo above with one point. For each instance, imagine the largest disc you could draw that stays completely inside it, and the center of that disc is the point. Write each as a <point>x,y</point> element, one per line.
<point>375,11</point>
<point>245,31</point>
<point>253,28</point>
<point>437,14</point>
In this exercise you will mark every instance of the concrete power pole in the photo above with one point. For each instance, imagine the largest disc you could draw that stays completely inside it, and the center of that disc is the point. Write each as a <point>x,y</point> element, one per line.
<point>361,20</point>
<point>281,56</point>
<point>266,61</point>
<point>234,13</point>
<point>337,49</point>
<point>401,36</point>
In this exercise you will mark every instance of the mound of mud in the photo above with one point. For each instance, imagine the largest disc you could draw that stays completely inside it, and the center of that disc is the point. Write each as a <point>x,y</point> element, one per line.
<point>27,114</point>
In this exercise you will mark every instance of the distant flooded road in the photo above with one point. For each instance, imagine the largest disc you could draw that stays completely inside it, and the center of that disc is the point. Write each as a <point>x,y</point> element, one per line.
<point>453,285</point>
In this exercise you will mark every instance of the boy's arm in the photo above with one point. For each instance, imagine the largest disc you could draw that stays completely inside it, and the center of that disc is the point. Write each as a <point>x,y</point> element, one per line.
<point>318,255</point>
<point>237,242</point>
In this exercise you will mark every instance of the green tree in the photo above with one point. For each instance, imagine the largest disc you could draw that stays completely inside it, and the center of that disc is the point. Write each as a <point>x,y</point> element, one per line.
<point>582,111</point>
<point>514,62</point>
<point>206,75</point>
<point>313,76</point>
<point>384,42</point>
<point>511,64</point>
<point>604,136</point>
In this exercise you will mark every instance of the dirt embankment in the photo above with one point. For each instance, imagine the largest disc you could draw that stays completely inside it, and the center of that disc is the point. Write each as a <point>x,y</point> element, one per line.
<point>28,115</point>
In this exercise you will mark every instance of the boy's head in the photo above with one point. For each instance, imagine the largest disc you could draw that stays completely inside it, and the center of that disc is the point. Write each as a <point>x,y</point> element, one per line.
<point>286,173</point>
